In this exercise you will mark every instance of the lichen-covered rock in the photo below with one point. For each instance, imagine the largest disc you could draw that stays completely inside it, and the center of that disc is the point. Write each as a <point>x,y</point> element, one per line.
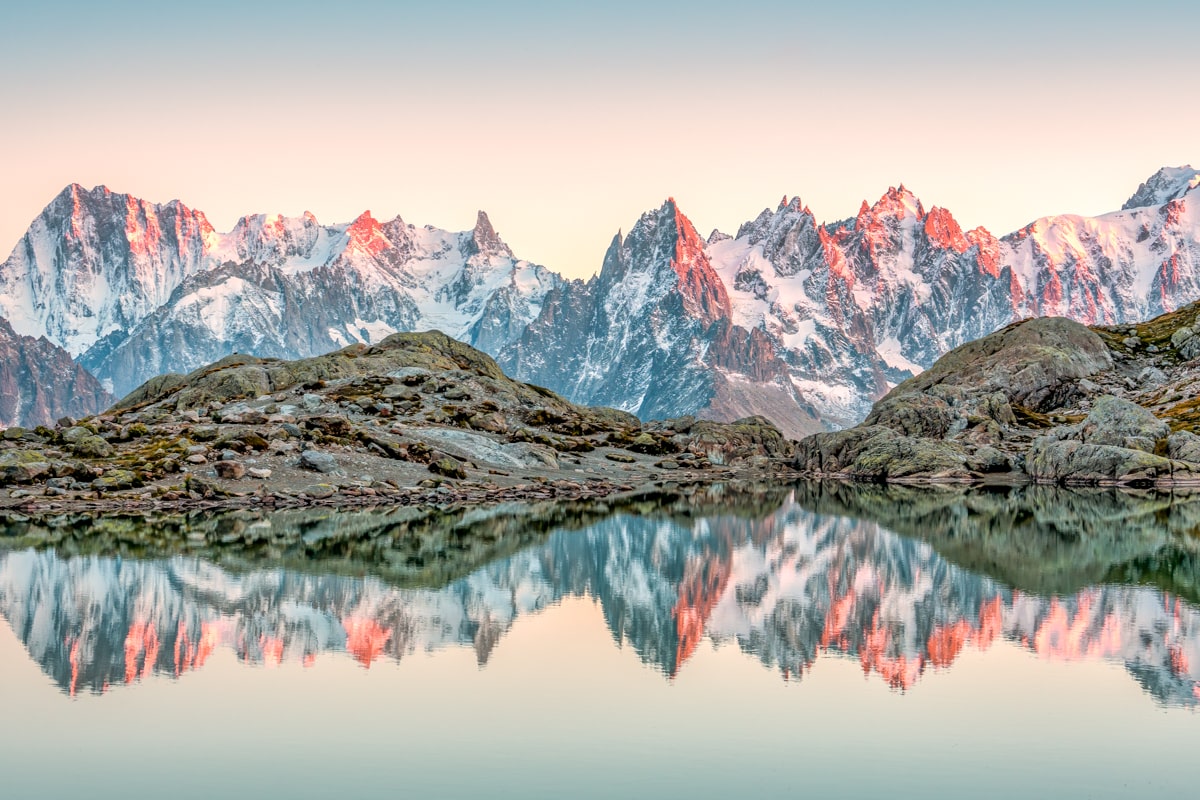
<point>74,434</point>
<point>880,453</point>
<point>1184,446</point>
<point>1070,461</point>
<point>23,466</point>
<point>1026,361</point>
<point>447,468</point>
<point>115,479</point>
<point>92,447</point>
<point>728,443</point>
<point>1118,423</point>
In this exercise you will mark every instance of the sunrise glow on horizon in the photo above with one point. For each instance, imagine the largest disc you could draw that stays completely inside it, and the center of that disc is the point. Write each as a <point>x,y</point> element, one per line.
<point>566,121</point>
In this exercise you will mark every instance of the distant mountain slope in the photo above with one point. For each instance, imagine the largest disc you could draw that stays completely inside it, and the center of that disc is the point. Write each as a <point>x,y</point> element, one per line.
<point>803,321</point>
<point>40,383</point>
<point>809,322</point>
<point>134,289</point>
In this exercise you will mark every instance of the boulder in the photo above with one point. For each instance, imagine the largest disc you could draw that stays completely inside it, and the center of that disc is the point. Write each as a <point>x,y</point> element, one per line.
<point>1120,423</point>
<point>92,447</point>
<point>318,461</point>
<point>230,470</point>
<point>1069,461</point>
<point>448,468</point>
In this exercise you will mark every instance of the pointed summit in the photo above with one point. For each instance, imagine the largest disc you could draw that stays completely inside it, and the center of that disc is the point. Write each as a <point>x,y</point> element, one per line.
<point>1169,183</point>
<point>485,240</point>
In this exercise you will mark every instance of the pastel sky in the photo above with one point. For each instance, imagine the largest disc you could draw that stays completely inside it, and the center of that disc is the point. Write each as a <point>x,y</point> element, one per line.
<point>566,120</point>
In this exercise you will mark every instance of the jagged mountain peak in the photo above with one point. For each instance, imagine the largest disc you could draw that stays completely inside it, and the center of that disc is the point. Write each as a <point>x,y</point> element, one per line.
<point>485,240</point>
<point>717,236</point>
<point>943,230</point>
<point>1169,183</point>
<point>897,201</point>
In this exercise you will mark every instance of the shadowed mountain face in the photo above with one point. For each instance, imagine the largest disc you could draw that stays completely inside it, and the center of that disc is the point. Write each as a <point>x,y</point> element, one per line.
<point>803,581</point>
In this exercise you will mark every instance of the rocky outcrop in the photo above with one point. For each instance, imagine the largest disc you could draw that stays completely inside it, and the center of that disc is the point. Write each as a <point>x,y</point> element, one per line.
<point>417,418</point>
<point>1046,399</point>
<point>1046,540</point>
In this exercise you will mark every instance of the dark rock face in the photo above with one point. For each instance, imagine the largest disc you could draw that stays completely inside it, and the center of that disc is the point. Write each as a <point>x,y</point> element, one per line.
<point>1046,399</point>
<point>652,335</point>
<point>40,382</point>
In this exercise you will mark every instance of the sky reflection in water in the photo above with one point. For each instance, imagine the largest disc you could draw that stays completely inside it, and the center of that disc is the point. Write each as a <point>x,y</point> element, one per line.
<point>664,656</point>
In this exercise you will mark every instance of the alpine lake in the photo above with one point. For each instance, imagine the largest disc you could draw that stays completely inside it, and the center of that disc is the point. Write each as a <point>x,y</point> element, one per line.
<point>808,640</point>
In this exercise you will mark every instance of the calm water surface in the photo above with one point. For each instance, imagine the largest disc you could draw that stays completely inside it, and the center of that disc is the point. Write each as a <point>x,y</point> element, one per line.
<point>851,643</point>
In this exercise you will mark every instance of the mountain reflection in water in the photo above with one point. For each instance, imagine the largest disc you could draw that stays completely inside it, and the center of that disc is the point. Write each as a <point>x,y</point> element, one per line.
<point>817,575</point>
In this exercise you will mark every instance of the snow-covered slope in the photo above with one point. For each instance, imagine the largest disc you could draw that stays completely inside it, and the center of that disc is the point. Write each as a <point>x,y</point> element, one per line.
<point>133,289</point>
<point>803,321</point>
<point>817,320</point>
<point>655,334</point>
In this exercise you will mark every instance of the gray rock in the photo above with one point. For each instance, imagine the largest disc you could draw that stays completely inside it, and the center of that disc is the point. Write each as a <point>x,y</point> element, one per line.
<point>318,461</point>
<point>989,460</point>
<point>92,447</point>
<point>1119,423</point>
<point>1132,342</point>
<point>72,436</point>
<point>203,433</point>
<point>1190,349</point>
<point>311,402</point>
<point>1184,446</point>
<point>1076,462</point>
<point>1152,376</point>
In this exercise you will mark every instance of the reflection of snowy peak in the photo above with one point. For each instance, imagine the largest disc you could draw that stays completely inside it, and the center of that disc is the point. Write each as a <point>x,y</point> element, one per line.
<point>787,589</point>
<point>803,321</point>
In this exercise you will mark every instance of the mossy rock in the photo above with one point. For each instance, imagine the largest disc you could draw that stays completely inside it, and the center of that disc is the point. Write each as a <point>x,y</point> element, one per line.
<point>448,468</point>
<point>116,479</point>
<point>92,447</point>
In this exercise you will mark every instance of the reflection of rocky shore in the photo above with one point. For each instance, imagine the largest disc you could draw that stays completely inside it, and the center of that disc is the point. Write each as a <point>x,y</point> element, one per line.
<point>1041,539</point>
<point>787,587</point>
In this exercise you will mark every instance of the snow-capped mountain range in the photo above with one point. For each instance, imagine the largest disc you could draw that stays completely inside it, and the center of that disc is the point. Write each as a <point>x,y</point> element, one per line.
<point>806,322</point>
<point>788,588</point>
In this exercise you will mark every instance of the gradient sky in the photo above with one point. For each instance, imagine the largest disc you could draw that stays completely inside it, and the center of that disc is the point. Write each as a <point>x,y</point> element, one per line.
<point>566,120</point>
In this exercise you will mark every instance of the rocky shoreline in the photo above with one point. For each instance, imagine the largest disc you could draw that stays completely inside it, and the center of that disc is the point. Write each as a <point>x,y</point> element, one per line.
<point>1043,400</point>
<point>419,419</point>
